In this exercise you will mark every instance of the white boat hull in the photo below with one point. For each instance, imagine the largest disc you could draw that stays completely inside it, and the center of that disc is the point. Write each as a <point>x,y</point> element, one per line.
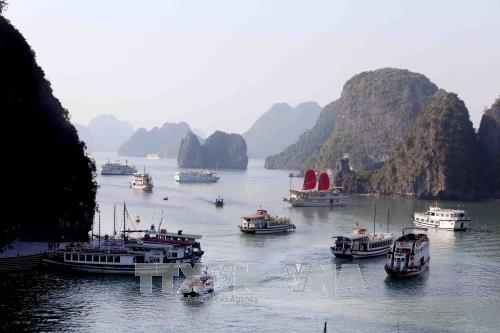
<point>445,225</point>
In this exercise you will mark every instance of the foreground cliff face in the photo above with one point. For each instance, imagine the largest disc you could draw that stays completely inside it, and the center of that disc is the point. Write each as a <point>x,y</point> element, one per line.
<point>279,127</point>
<point>51,188</point>
<point>440,158</point>
<point>221,150</point>
<point>164,140</point>
<point>489,137</point>
<point>298,155</point>
<point>376,109</point>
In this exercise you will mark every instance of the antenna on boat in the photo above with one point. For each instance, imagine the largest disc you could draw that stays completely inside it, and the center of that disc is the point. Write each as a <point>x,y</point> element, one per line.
<point>161,220</point>
<point>114,220</point>
<point>387,219</point>
<point>374,218</point>
<point>99,219</point>
<point>124,213</point>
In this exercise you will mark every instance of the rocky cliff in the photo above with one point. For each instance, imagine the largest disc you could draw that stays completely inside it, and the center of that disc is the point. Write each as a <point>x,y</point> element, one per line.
<point>440,157</point>
<point>279,127</point>
<point>164,140</point>
<point>51,192</point>
<point>376,109</point>
<point>489,137</point>
<point>297,156</point>
<point>220,150</point>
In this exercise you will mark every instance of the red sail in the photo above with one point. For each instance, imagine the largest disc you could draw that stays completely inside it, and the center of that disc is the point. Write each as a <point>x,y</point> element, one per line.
<point>309,180</point>
<point>324,182</point>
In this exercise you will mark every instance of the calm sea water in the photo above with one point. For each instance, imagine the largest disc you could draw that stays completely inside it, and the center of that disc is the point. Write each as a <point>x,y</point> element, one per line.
<point>459,293</point>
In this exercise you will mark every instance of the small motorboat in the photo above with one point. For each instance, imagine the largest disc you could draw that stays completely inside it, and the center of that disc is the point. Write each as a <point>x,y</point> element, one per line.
<point>219,202</point>
<point>165,198</point>
<point>198,285</point>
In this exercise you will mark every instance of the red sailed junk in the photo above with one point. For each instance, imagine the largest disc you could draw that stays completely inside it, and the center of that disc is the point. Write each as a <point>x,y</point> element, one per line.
<point>324,182</point>
<point>309,180</point>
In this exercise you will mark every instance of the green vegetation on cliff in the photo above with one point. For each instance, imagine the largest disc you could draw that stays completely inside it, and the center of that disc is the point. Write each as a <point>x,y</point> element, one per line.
<point>376,109</point>
<point>51,192</point>
<point>220,150</point>
<point>440,157</point>
<point>297,156</point>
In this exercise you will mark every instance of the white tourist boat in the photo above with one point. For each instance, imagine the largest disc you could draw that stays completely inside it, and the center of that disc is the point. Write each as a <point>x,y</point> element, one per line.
<point>142,181</point>
<point>409,255</point>
<point>153,156</point>
<point>361,244</point>
<point>192,176</point>
<point>118,169</point>
<point>442,218</point>
<point>323,196</point>
<point>197,285</point>
<point>112,255</point>
<point>261,222</point>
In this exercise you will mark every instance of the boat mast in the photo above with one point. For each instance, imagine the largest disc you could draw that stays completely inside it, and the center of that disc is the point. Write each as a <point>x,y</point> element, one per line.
<point>387,219</point>
<point>124,211</point>
<point>374,218</point>
<point>114,220</point>
<point>99,217</point>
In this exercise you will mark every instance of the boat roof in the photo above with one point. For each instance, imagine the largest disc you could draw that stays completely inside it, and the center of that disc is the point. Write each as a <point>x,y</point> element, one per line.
<point>257,214</point>
<point>174,234</point>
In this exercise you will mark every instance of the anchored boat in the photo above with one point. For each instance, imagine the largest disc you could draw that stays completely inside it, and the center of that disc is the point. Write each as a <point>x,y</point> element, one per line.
<point>361,244</point>
<point>441,218</point>
<point>119,255</point>
<point>309,196</point>
<point>192,176</point>
<point>261,222</point>
<point>409,255</point>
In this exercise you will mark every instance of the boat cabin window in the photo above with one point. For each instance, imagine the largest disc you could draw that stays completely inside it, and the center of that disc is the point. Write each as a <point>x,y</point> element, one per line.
<point>74,257</point>
<point>89,257</point>
<point>116,259</point>
<point>103,259</point>
<point>68,256</point>
<point>82,257</point>
<point>96,258</point>
<point>110,259</point>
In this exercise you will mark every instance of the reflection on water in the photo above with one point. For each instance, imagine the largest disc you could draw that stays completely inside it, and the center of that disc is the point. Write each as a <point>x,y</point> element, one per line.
<point>458,293</point>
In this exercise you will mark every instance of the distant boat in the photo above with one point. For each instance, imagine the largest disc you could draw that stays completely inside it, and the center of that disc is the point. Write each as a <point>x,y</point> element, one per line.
<point>261,222</point>
<point>436,217</point>
<point>219,202</point>
<point>118,169</point>
<point>142,181</point>
<point>409,255</point>
<point>204,176</point>
<point>154,156</point>
<point>309,196</point>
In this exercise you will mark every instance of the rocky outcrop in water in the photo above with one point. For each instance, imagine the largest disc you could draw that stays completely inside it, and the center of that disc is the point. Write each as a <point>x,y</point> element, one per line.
<point>440,158</point>
<point>376,109</point>
<point>165,141</point>
<point>279,127</point>
<point>51,187</point>
<point>220,150</point>
<point>489,137</point>
<point>298,155</point>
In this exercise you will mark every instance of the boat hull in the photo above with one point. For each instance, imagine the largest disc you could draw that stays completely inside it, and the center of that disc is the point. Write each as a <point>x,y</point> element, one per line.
<point>359,254</point>
<point>408,273</point>
<point>457,225</point>
<point>267,230</point>
<point>303,203</point>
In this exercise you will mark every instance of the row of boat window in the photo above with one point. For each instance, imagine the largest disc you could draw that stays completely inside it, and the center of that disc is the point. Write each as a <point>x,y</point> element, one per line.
<point>447,215</point>
<point>92,258</point>
<point>380,244</point>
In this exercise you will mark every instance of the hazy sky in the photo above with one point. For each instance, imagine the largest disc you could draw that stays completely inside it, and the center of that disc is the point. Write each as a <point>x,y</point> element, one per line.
<point>221,64</point>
